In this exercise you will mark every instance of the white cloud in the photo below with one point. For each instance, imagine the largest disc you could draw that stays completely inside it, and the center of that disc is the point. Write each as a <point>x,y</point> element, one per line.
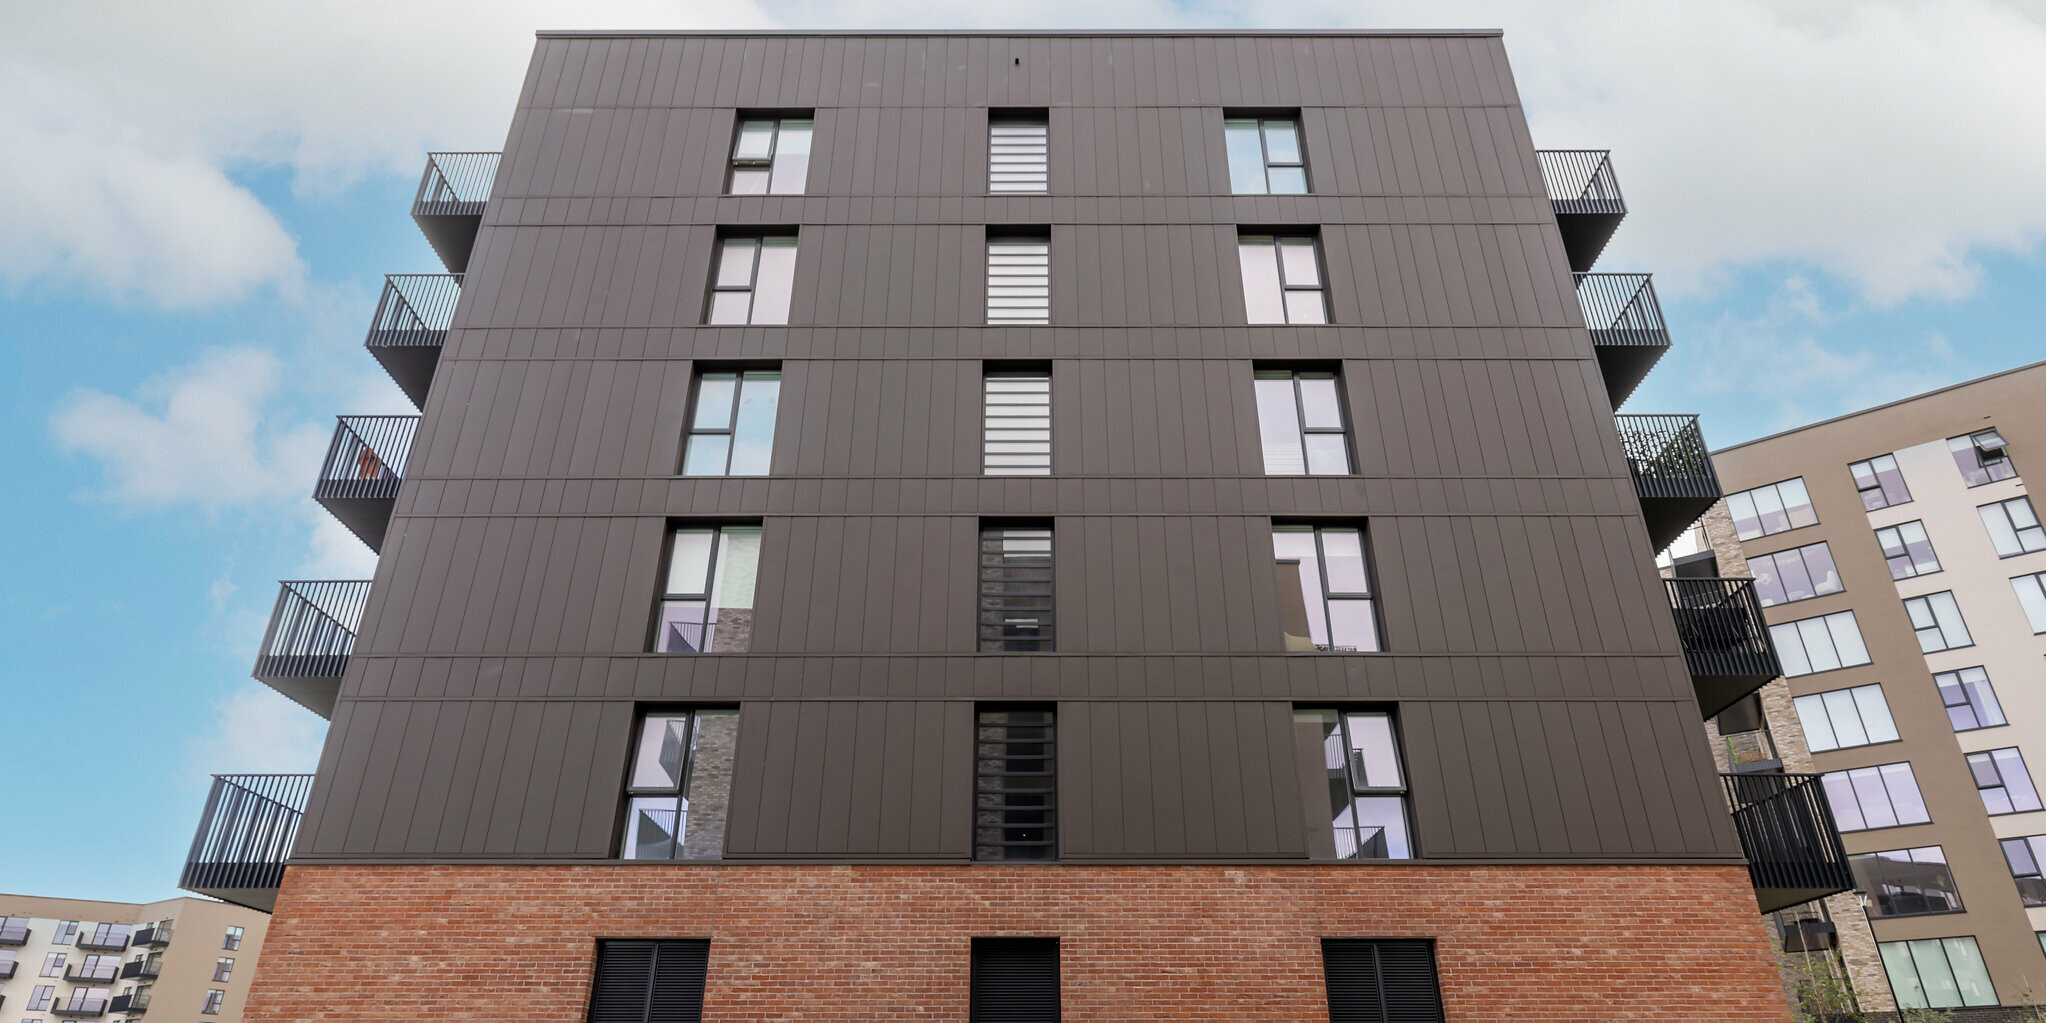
<point>257,730</point>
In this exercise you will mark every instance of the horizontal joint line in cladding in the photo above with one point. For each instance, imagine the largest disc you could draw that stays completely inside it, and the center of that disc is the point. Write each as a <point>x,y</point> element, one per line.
<point>1063,357</point>
<point>1031,480</point>
<point>1045,655</point>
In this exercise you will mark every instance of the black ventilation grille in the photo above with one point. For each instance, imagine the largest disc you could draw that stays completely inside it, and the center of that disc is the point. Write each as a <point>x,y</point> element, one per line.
<point>1015,980</point>
<point>1015,784</point>
<point>1375,981</point>
<point>649,981</point>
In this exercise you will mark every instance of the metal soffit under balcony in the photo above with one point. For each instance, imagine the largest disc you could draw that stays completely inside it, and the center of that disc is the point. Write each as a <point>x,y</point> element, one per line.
<point>1627,329</point>
<point>311,633</point>
<point>1586,197</point>
<point>1787,833</point>
<point>449,206</point>
<point>1672,472</point>
<point>1725,638</point>
<point>365,463</point>
<point>410,326</point>
<point>245,834</point>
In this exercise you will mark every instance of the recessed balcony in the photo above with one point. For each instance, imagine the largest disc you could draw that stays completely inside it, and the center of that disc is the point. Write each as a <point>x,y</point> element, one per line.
<point>133,1004</point>
<point>244,837</point>
<point>157,936</point>
<point>141,969</point>
<point>93,973</point>
<point>1586,198</point>
<point>1672,472</point>
<point>1725,638</point>
<point>410,326</point>
<point>81,1005</point>
<point>449,206</point>
<point>311,633</point>
<point>365,463</point>
<point>1787,833</point>
<point>1627,329</point>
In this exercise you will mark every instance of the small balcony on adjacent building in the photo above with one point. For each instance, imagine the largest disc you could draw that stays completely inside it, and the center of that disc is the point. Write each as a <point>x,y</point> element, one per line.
<point>365,463</point>
<point>1787,833</point>
<point>449,206</point>
<point>1586,197</point>
<point>133,1004</point>
<point>142,969</point>
<point>93,973</point>
<point>1627,329</point>
<point>410,326</point>
<point>1725,638</point>
<point>153,936</point>
<point>311,633</point>
<point>1672,472</point>
<point>84,1004</point>
<point>245,835</point>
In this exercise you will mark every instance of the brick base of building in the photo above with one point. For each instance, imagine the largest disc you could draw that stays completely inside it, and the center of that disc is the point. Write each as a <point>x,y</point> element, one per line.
<point>1548,943</point>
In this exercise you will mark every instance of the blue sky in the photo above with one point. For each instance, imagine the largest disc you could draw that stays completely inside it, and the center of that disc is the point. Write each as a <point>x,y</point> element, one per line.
<point>201,206</point>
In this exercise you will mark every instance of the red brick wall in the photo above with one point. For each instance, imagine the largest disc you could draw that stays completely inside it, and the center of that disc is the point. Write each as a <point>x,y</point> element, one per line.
<point>890,943</point>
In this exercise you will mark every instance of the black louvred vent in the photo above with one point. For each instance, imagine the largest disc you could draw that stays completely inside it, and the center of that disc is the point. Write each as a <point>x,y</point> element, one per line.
<point>649,981</point>
<point>1015,980</point>
<point>1374,981</point>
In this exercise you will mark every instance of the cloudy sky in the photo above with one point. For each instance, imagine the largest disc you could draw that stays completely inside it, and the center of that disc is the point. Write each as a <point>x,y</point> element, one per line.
<point>200,198</point>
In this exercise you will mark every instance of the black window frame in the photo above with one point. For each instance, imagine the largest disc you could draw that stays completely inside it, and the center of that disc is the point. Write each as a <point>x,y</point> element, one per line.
<point>1276,236</point>
<point>1879,488</point>
<point>1904,547</point>
<point>1772,561</point>
<point>759,236</point>
<point>232,941</point>
<point>734,163</point>
<point>991,606</point>
<point>2017,532</point>
<point>1918,632</point>
<point>740,372</point>
<point>616,982</point>
<point>1268,371</point>
<point>663,596</point>
<point>2033,847</point>
<point>999,966</point>
<point>1370,597</point>
<point>995,797</point>
<point>1264,120</point>
<point>991,371</point>
<point>1413,997</point>
<point>1776,492</point>
<point>679,791</point>
<point>1015,117</point>
<point>1882,904</point>
<point>2002,780</point>
<point>1993,470</point>
<point>1961,685</point>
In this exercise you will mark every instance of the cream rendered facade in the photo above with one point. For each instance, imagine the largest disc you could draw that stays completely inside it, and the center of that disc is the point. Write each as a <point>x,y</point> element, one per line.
<point>201,933</point>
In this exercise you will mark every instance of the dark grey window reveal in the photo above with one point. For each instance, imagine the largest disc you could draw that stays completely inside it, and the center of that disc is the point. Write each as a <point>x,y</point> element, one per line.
<point>731,423</point>
<point>2003,782</point>
<point>1799,573</point>
<point>1907,550</point>
<point>2013,527</point>
<point>1880,482</point>
<point>1015,588</point>
<point>1325,596</point>
<point>1018,280</point>
<point>1906,882</point>
<point>1265,155</point>
<point>1379,980</point>
<point>1018,154</point>
<point>754,279</point>
<point>1016,423</point>
<point>1282,279</point>
<point>1981,457</point>
<point>771,155</point>
<point>1301,423</point>
<point>1936,618</point>
<point>680,785</point>
<point>640,981</point>
<point>1969,698</point>
<point>2025,855</point>
<point>1775,508</point>
<point>707,601</point>
<point>1362,781</point>
<point>1015,783</point>
<point>1866,798</point>
<point>1014,980</point>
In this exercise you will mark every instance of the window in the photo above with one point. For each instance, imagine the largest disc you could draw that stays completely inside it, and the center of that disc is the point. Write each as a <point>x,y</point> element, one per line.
<point>680,785</point>
<point>1018,280</point>
<point>2013,527</point>
<point>1265,156</point>
<point>1015,783</point>
<point>53,965</point>
<point>2003,782</point>
<point>223,967</point>
<point>1880,482</point>
<point>1981,457</point>
<point>1326,568</point>
<point>1812,645</point>
<point>213,1000</point>
<point>642,981</point>
<point>1300,421</point>
<point>1015,433</point>
<point>1799,573</point>
<point>1776,508</point>
<point>95,970</point>
<point>2031,590</point>
<point>1845,717</point>
<point>771,155</point>
<point>1905,882</point>
<point>1907,549</point>
<point>1281,279</point>
<point>1971,703</point>
<point>40,999</point>
<point>233,940</point>
<point>707,606</point>
<point>1867,798</point>
<point>1018,153</point>
<point>1937,973</point>
<point>1374,980</point>
<point>1937,621</point>
<point>1014,980</point>
<point>1015,588</point>
<point>1364,783</point>
<point>2024,856</point>
<point>754,279</point>
<point>731,430</point>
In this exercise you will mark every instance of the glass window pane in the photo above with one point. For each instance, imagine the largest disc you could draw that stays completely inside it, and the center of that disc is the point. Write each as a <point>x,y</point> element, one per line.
<point>1328,454</point>
<point>729,306</point>
<point>715,750</point>
<point>1768,587</point>
<point>705,454</point>
<point>650,827</point>
<point>1282,142</point>
<point>792,158</point>
<point>1873,798</point>
<point>753,439</point>
<point>1971,975</point>
<point>1260,263</point>
<point>1949,615</point>
<point>681,627</point>
<point>1381,829</point>
<point>1846,721</point>
<point>689,563</point>
<point>663,746</point>
<point>1817,725</point>
<point>1875,714</point>
<point>2031,593</point>
<point>1746,521</point>
<point>1903,974</point>
<point>1305,307</point>
<point>1940,989</point>
<point>1846,806</point>
<point>1797,503</point>
<point>1288,180</point>
<point>1296,258</point>
<point>1374,757</point>
<point>1343,550</point>
<point>1351,627</point>
<point>756,140</point>
<point>1790,647</point>
<point>1902,786</point>
<point>735,263</point>
<point>2016,780</point>
<point>1818,645</point>
<point>777,281</point>
<point>1818,566</point>
<point>1318,400</point>
<point>1246,157</point>
<point>749,180</point>
<point>714,400</point>
<point>731,613</point>
<point>1302,616</point>
<point>1278,424</point>
<point>1846,634</point>
<point>1769,506</point>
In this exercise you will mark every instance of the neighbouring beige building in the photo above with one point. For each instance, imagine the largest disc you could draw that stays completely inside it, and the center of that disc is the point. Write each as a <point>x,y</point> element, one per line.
<point>180,959</point>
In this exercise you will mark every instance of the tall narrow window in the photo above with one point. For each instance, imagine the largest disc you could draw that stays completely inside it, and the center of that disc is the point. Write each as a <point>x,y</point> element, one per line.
<point>1015,588</point>
<point>1937,973</point>
<point>771,156</point>
<point>1015,784</point>
<point>1363,781</point>
<point>1907,550</point>
<point>1906,882</point>
<point>1937,621</point>
<point>1018,280</point>
<point>1018,154</point>
<point>1845,718</point>
<point>1880,482</point>
<point>649,981</point>
<point>1300,421</point>
<point>223,968</point>
<point>1799,573</point>
<point>53,964</point>
<point>707,606</point>
<point>753,280</point>
<point>1381,981</point>
<point>1866,798</point>
<point>680,785</point>
<point>731,427</point>
<point>1824,643</point>
<point>2031,591</point>
<point>233,940</point>
<point>1969,698</point>
<point>67,932</point>
<point>2003,782</point>
<point>213,1000</point>
<point>39,999</point>
<point>1016,423</point>
<point>1281,279</point>
<point>1324,588</point>
<point>1774,508</point>
<point>1014,980</point>
<point>2024,856</point>
<point>1265,156</point>
<point>2013,527</point>
<point>1981,457</point>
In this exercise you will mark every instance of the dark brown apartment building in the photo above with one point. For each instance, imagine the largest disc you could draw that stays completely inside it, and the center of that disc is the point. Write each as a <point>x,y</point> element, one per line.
<point>1018,527</point>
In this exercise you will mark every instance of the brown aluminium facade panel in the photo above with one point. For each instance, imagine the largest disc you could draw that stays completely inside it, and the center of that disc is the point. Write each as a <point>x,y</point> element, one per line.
<point>1545,711</point>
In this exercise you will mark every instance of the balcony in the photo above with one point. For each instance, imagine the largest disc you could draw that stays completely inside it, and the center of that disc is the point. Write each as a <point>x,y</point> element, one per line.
<point>133,1004</point>
<point>1672,472</point>
<point>1627,330</point>
<point>1787,833</point>
<point>410,326</point>
<point>13,930</point>
<point>365,463</point>
<point>244,837</point>
<point>1586,197</point>
<point>7,969</point>
<point>82,1004</point>
<point>311,633</point>
<point>1726,639</point>
<point>449,206</point>
<point>156,936</point>
<point>113,939</point>
<point>95,973</point>
<point>141,969</point>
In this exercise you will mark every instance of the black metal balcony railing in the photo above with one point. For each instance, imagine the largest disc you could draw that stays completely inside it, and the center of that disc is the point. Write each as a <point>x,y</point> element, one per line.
<point>81,1004</point>
<point>1627,329</point>
<point>1672,472</point>
<point>1787,833</point>
<point>449,206</point>
<point>141,969</point>
<point>93,973</point>
<point>153,936</point>
<point>365,463</point>
<point>244,837</point>
<point>113,939</point>
<point>1726,639</point>
<point>133,1004</point>
<point>1586,197</point>
<point>311,633</point>
<point>411,325</point>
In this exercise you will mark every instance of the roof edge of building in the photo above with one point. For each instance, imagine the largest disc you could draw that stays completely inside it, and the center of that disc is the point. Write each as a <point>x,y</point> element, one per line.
<point>1844,416</point>
<point>997,34</point>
